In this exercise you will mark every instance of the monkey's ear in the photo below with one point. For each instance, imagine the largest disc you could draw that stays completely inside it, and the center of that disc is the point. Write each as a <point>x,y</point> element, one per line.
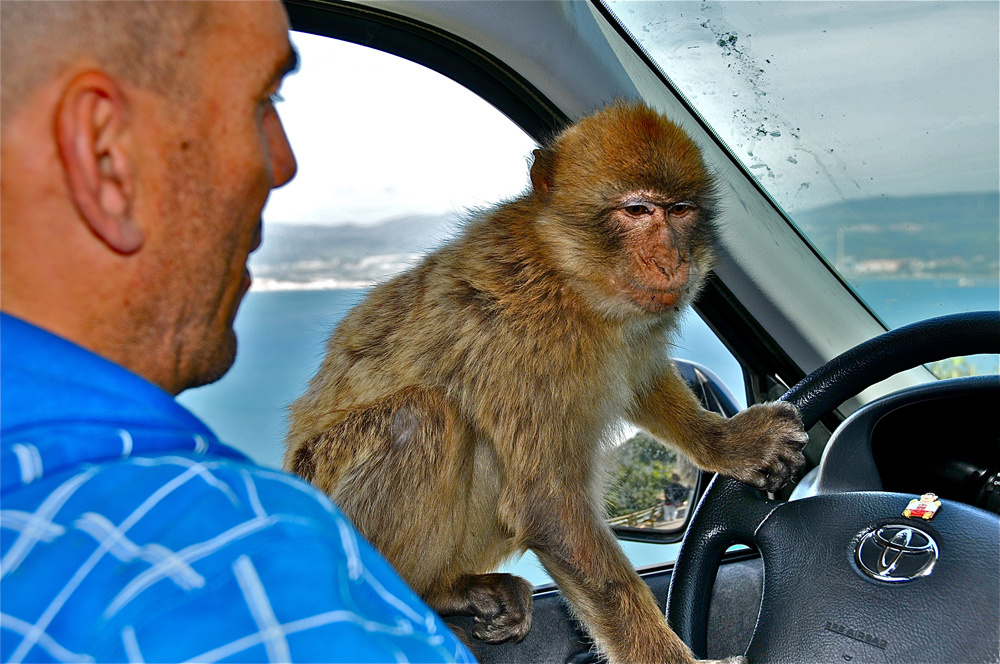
<point>92,133</point>
<point>541,171</point>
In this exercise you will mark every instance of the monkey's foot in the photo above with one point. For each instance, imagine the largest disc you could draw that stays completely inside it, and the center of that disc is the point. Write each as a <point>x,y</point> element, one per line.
<point>499,604</point>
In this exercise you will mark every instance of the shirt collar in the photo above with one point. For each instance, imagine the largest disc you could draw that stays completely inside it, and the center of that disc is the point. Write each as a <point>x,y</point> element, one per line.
<point>63,405</point>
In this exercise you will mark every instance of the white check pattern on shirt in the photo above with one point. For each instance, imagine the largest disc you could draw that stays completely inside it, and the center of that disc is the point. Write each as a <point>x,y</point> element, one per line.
<point>172,566</point>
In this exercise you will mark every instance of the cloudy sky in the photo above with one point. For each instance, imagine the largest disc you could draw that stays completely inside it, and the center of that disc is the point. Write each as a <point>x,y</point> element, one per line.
<point>828,100</point>
<point>823,101</point>
<point>377,136</point>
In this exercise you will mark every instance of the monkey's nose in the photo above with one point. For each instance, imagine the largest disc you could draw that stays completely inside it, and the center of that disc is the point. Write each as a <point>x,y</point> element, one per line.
<point>669,262</point>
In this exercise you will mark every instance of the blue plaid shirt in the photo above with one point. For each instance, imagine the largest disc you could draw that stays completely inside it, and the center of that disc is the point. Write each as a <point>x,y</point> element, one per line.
<point>128,532</point>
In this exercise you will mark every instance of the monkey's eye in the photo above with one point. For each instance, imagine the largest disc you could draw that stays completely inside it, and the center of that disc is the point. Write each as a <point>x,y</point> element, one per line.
<point>638,209</point>
<point>681,209</point>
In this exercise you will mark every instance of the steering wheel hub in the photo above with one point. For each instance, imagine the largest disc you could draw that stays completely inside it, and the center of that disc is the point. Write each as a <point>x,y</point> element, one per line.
<point>897,553</point>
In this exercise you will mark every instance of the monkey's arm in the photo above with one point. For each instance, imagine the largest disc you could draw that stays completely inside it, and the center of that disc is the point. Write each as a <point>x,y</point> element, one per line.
<point>760,446</point>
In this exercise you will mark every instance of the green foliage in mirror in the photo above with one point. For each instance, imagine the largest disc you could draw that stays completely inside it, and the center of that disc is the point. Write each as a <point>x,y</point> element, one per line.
<point>650,485</point>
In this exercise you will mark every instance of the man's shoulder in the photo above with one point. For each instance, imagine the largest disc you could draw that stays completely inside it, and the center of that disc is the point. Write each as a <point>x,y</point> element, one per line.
<point>181,481</point>
<point>141,549</point>
<point>179,499</point>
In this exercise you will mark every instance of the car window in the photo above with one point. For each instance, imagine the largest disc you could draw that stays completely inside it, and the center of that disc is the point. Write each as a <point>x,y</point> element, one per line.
<point>872,125</point>
<point>392,156</point>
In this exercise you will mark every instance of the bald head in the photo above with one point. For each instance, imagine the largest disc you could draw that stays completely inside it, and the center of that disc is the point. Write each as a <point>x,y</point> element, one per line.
<point>139,145</point>
<point>137,40</point>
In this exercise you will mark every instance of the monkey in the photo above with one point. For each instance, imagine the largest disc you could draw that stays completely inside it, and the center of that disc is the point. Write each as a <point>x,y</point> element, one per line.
<point>463,410</point>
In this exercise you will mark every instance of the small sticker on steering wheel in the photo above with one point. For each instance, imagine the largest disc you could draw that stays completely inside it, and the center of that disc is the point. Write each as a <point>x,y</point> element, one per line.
<point>924,507</point>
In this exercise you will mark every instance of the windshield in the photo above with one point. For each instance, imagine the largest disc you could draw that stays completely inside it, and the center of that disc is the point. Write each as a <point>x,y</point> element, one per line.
<point>874,126</point>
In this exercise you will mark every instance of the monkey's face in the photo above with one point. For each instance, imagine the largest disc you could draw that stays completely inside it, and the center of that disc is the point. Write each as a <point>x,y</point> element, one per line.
<point>663,250</point>
<point>631,204</point>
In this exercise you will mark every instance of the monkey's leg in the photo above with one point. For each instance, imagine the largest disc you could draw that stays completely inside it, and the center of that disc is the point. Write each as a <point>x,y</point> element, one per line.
<point>402,471</point>
<point>761,445</point>
<point>580,552</point>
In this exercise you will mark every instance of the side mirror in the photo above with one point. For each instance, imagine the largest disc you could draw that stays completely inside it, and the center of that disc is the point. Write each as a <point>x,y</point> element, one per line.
<point>654,488</point>
<point>708,387</point>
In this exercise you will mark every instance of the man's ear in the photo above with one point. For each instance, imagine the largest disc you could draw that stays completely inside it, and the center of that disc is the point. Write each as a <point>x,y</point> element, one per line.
<point>92,132</point>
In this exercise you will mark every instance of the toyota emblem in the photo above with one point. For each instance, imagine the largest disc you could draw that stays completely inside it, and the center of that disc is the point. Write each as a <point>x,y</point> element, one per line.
<point>896,553</point>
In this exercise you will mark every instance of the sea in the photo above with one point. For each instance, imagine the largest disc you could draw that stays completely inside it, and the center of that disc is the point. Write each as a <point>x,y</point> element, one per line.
<point>282,337</point>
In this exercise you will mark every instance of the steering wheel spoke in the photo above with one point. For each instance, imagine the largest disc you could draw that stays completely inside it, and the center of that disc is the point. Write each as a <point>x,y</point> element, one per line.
<point>732,517</point>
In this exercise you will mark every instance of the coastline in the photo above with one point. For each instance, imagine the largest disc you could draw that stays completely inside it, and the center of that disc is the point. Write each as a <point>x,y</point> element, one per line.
<point>272,285</point>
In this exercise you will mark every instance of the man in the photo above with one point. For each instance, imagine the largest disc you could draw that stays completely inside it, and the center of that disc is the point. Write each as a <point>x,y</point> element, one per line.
<point>138,144</point>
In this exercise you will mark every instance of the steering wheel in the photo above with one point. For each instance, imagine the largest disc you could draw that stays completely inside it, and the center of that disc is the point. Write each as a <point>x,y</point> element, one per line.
<point>932,594</point>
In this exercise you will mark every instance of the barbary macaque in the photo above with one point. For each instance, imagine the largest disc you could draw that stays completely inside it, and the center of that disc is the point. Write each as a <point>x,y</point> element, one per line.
<point>463,410</point>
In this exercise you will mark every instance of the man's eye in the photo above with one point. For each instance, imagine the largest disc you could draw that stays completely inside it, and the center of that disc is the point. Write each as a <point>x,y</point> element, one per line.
<point>275,98</point>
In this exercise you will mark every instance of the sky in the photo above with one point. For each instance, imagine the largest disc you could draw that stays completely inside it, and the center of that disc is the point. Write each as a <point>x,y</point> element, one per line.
<point>823,101</point>
<point>830,100</point>
<point>378,137</point>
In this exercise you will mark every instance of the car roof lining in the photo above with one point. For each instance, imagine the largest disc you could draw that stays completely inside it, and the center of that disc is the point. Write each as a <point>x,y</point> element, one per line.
<point>446,53</point>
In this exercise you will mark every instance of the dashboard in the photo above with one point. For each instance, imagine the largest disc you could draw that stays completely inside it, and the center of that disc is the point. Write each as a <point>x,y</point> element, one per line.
<point>942,437</point>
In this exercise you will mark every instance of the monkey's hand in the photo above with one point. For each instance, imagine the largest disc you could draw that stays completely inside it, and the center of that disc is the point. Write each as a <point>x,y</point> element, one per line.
<point>763,444</point>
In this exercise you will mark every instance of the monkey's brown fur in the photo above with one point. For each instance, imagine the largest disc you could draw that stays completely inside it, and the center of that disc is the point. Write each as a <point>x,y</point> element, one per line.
<point>462,410</point>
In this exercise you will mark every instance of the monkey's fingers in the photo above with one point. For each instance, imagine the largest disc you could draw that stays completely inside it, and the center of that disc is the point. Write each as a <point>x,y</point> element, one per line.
<point>780,470</point>
<point>777,475</point>
<point>764,480</point>
<point>773,472</point>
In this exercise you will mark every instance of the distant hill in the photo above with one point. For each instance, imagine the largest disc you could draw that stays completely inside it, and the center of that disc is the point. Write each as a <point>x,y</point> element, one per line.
<point>346,255</point>
<point>917,236</point>
<point>911,236</point>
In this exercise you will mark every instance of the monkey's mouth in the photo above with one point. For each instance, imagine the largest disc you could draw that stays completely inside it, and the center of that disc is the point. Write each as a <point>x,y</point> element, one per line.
<point>655,301</point>
<point>654,288</point>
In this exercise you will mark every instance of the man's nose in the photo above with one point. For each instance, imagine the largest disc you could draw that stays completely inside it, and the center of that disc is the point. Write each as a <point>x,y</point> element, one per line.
<point>283,165</point>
